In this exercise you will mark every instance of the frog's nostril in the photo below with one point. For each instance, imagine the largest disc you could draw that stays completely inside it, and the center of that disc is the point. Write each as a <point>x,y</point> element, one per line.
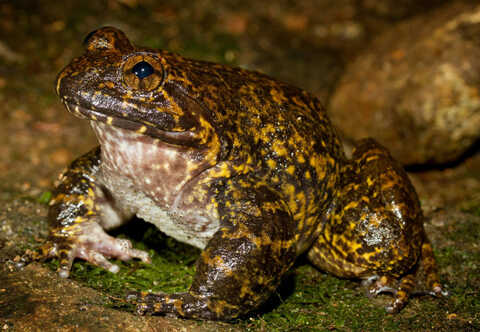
<point>142,69</point>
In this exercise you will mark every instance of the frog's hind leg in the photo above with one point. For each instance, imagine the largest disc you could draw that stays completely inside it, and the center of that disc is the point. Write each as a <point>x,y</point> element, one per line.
<point>374,228</point>
<point>241,265</point>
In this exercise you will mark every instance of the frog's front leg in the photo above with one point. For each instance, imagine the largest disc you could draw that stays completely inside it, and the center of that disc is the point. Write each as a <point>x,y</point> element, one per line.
<point>241,265</point>
<point>78,214</point>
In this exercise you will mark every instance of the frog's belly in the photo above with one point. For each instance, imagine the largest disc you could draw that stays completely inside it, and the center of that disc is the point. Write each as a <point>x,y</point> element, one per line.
<point>185,225</point>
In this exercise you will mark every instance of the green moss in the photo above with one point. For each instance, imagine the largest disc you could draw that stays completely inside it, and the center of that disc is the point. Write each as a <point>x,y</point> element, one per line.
<point>472,206</point>
<point>317,302</point>
<point>45,197</point>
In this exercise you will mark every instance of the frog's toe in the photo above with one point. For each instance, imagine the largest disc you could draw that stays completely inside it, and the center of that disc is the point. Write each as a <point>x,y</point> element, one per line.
<point>123,250</point>
<point>376,285</point>
<point>184,305</point>
<point>388,284</point>
<point>98,252</point>
<point>438,291</point>
<point>374,290</point>
<point>66,257</point>
<point>96,258</point>
<point>405,288</point>
<point>146,302</point>
<point>396,306</point>
<point>45,251</point>
<point>93,245</point>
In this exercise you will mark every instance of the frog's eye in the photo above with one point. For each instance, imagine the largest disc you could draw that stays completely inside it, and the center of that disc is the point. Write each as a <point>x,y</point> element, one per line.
<point>142,72</point>
<point>142,69</point>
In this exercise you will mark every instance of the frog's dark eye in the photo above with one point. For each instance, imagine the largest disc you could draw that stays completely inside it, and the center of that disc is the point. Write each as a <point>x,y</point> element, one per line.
<point>142,69</point>
<point>142,72</point>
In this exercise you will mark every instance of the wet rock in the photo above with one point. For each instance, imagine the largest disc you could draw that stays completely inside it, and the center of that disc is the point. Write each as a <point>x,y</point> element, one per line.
<point>36,299</point>
<point>416,88</point>
<point>396,9</point>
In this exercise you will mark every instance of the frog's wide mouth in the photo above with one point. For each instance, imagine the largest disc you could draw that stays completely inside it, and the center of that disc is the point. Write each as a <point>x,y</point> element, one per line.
<point>141,127</point>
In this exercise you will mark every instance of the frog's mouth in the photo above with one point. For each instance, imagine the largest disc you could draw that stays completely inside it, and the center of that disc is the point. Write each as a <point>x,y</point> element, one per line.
<point>186,137</point>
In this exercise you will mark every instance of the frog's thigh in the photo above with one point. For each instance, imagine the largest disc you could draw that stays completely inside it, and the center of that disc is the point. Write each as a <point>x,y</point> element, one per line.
<point>329,259</point>
<point>242,264</point>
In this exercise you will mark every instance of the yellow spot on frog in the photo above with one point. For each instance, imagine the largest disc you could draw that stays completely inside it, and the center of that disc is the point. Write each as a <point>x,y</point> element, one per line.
<point>271,163</point>
<point>301,158</point>
<point>369,181</point>
<point>291,169</point>
<point>308,176</point>
<point>278,96</point>
<point>351,205</point>
<point>280,149</point>
<point>142,129</point>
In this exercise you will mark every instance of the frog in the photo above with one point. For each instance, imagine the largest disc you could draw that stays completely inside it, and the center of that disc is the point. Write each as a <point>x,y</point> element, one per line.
<point>246,168</point>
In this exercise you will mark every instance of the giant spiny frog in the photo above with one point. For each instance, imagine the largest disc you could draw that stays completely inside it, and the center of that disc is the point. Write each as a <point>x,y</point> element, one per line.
<point>246,168</point>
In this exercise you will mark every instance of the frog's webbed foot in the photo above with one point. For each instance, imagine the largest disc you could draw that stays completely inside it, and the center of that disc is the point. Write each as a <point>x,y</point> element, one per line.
<point>88,241</point>
<point>438,291</point>
<point>402,289</point>
<point>375,285</point>
<point>386,284</point>
<point>179,304</point>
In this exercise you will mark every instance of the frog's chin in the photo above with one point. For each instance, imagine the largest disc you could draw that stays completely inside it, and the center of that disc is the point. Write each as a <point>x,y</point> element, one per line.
<point>186,138</point>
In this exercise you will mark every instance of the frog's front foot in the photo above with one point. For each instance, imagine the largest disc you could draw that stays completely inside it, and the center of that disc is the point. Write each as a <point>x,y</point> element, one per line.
<point>88,241</point>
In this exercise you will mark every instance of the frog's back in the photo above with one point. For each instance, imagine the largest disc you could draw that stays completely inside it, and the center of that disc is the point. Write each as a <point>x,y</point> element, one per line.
<point>278,134</point>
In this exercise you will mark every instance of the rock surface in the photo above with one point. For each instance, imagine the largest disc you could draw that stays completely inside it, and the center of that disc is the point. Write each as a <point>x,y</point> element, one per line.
<point>416,88</point>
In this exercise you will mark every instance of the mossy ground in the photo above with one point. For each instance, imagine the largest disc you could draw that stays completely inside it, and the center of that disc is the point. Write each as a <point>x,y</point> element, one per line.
<point>307,299</point>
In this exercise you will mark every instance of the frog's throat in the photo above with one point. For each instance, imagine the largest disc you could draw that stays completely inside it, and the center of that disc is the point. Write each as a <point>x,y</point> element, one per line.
<point>184,138</point>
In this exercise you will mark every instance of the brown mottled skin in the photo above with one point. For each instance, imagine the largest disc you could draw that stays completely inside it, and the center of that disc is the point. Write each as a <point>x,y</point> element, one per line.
<point>234,162</point>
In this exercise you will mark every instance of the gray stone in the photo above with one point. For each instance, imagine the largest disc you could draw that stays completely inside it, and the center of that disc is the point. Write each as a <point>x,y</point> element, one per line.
<point>416,88</point>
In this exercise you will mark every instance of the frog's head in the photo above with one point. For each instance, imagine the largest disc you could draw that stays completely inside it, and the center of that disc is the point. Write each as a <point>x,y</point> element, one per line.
<point>132,88</point>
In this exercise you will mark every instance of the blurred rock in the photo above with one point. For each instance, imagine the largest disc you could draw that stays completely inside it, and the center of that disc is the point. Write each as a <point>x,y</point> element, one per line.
<point>396,9</point>
<point>416,88</point>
